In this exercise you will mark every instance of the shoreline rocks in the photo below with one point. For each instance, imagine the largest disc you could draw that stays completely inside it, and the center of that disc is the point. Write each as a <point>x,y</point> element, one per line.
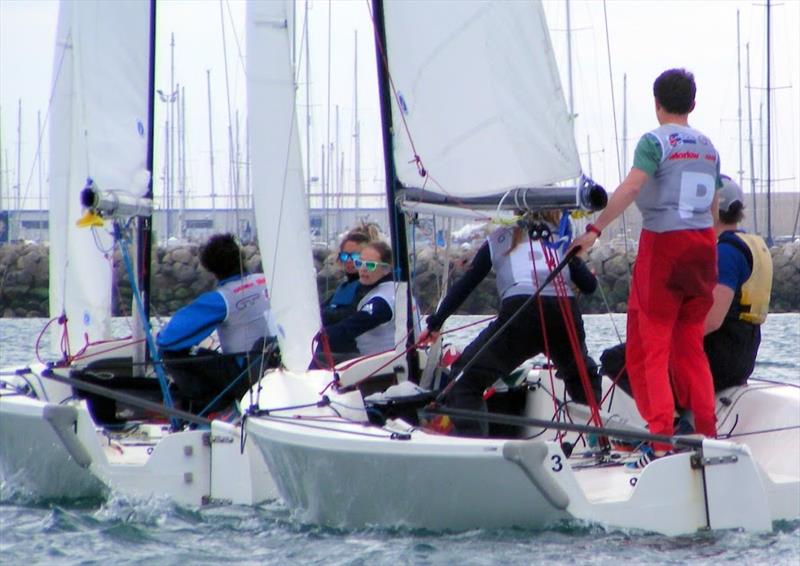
<point>177,277</point>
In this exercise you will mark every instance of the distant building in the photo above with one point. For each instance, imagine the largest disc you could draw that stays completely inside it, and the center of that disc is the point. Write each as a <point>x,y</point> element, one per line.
<point>327,226</point>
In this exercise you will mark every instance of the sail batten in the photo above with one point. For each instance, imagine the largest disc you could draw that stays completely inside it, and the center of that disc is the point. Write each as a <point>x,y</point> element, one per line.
<point>477,98</point>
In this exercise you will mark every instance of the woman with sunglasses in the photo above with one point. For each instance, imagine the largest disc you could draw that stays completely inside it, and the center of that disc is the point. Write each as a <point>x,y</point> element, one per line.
<point>370,328</point>
<point>519,263</point>
<point>342,303</point>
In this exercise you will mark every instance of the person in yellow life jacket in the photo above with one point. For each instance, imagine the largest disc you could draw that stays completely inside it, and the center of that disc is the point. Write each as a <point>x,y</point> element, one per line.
<point>741,300</point>
<point>741,296</point>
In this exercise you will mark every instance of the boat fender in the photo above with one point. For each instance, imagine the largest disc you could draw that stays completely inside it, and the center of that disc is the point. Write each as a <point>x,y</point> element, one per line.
<point>64,420</point>
<point>530,456</point>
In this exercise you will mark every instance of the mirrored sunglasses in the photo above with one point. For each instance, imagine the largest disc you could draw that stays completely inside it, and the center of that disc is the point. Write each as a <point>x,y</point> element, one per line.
<point>344,256</point>
<point>370,265</point>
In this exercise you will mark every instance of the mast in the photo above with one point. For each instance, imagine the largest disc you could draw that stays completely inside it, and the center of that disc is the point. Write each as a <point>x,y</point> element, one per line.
<point>625,122</point>
<point>19,160</point>
<point>569,67</point>
<point>182,161</point>
<point>39,164</point>
<point>750,129</point>
<point>247,187</point>
<point>329,167</point>
<point>357,128</point>
<point>237,159</point>
<point>144,226</point>
<point>739,92</point>
<point>337,186</point>
<point>397,227</point>
<point>624,149</point>
<point>769,127</point>
<point>323,179</point>
<point>172,96</point>
<point>308,113</point>
<point>211,149</point>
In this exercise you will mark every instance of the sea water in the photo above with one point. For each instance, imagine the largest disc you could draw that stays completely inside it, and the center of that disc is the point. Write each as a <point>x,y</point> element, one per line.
<point>125,530</point>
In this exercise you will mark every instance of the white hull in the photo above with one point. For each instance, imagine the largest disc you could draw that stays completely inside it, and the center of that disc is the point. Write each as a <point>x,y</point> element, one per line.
<point>343,473</point>
<point>55,450</point>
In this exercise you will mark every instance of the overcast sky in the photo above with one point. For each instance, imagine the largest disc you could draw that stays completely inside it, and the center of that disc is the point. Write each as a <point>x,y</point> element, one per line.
<point>645,37</point>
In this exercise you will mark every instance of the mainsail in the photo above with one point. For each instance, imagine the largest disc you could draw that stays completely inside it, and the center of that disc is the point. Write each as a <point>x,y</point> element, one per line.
<point>479,96</point>
<point>277,176</point>
<point>98,130</point>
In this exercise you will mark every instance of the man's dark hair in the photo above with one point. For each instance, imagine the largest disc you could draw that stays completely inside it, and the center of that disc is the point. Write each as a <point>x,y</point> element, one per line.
<point>674,90</point>
<point>734,214</point>
<point>221,256</point>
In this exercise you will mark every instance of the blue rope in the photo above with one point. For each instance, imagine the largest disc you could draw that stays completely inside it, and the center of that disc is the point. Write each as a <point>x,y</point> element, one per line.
<point>148,330</point>
<point>563,236</point>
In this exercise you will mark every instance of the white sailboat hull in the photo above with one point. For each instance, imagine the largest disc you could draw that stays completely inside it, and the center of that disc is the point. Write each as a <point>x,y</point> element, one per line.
<point>346,481</point>
<point>55,450</point>
<point>34,456</point>
<point>341,472</point>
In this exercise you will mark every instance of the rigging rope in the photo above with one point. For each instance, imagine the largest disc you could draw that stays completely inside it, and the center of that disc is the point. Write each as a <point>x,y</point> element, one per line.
<point>543,328</point>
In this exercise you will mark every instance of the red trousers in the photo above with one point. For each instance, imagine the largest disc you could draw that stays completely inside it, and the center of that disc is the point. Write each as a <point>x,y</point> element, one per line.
<point>671,293</point>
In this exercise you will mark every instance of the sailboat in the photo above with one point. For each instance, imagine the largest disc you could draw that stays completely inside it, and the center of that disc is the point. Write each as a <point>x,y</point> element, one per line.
<point>95,422</point>
<point>474,118</point>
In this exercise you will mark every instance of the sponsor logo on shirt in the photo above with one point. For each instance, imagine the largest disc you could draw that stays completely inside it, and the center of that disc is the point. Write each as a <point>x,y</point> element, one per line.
<point>243,287</point>
<point>684,155</point>
<point>246,301</point>
<point>367,308</point>
<point>677,139</point>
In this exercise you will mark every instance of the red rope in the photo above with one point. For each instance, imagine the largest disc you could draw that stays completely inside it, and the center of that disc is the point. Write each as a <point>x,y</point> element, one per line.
<point>41,334</point>
<point>572,333</point>
<point>540,306</point>
<point>68,358</point>
<point>124,343</point>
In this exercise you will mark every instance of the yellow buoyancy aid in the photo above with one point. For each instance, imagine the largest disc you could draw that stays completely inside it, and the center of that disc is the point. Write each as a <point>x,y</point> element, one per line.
<point>755,292</point>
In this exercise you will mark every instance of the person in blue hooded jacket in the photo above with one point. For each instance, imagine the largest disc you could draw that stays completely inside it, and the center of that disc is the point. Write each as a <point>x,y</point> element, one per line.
<point>238,310</point>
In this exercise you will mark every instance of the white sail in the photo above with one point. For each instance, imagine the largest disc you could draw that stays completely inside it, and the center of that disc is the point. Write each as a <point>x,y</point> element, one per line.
<point>480,94</point>
<point>277,177</point>
<point>98,129</point>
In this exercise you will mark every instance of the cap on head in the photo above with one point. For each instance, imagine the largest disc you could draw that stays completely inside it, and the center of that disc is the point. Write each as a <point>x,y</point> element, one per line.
<point>729,193</point>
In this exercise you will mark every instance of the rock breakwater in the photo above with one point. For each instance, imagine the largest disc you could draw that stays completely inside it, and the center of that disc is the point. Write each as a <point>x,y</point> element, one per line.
<point>177,278</point>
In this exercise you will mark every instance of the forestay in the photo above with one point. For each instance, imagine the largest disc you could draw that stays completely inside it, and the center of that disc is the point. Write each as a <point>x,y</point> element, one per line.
<point>278,194</point>
<point>480,92</point>
<point>98,129</point>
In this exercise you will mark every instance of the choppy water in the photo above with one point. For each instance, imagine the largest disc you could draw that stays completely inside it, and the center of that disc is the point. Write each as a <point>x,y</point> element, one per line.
<point>156,531</point>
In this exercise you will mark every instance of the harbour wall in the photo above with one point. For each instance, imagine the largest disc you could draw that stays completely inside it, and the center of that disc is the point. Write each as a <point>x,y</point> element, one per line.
<point>177,278</point>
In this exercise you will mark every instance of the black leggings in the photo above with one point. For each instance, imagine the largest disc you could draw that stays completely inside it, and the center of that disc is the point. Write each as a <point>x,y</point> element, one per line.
<point>202,376</point>
<point>521,340</point>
